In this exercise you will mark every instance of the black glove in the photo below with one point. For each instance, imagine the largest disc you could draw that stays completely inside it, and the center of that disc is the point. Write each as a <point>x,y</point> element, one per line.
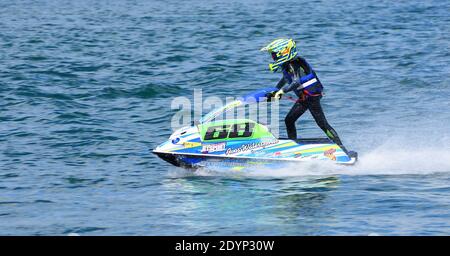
<point>270,95</point>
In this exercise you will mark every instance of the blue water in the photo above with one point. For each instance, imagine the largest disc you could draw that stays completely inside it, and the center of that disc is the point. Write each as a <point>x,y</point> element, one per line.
<point>85,93</point>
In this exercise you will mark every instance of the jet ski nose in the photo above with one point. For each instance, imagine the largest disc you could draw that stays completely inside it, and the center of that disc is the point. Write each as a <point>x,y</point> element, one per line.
<point>170,158</point>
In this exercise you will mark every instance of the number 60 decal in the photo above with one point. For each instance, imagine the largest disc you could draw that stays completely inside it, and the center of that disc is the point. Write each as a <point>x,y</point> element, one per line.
<point>243,130</point>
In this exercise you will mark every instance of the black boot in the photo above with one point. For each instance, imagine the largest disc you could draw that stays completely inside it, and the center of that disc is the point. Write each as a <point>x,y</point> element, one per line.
<point>331,133</point>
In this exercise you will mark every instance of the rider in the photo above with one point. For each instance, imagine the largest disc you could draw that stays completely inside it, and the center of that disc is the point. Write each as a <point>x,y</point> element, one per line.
<point>298,76</point>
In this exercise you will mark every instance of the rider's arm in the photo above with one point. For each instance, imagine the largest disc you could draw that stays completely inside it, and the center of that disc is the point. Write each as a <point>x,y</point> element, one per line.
<point>290,87</point>
<point>281,83</point>
<point>286,87</point>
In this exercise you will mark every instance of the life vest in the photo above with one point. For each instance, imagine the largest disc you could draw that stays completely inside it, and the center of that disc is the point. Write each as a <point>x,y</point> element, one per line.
<point>308,80</point>
<point>309,84</point>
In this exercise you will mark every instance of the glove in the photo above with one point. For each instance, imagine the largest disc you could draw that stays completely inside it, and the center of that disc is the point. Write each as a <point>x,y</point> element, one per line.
<point>278,95</point>
<point>269,96</point>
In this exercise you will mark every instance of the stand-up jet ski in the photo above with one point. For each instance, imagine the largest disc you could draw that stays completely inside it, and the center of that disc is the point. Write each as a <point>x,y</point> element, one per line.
<point>243,142</point>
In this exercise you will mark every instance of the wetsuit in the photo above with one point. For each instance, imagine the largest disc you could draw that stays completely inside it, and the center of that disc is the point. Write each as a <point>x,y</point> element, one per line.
<point>298,76</point>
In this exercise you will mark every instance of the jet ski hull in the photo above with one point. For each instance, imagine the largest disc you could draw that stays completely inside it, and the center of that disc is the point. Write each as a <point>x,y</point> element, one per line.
<point>197,161</point>
<point>281,151</point>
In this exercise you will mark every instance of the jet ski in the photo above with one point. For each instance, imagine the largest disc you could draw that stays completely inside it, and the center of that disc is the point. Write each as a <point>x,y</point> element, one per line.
<point>239,142</point>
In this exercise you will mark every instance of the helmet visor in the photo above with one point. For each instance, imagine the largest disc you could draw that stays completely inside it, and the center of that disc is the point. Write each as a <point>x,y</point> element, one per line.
<point>274,56</point>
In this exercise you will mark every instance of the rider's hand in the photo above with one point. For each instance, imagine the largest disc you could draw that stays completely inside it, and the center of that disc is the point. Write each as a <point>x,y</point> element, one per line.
<point>278,95</point>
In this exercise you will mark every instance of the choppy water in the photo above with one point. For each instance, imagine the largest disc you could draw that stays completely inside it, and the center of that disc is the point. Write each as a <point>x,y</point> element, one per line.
<point>85,92</point>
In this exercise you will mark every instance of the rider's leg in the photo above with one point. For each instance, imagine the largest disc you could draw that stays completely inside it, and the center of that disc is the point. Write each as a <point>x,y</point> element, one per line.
<point>296,111</point>
<point>315,108</point>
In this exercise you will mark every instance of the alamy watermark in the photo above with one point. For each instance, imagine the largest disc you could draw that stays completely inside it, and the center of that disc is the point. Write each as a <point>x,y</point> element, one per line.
<point>203,110</point>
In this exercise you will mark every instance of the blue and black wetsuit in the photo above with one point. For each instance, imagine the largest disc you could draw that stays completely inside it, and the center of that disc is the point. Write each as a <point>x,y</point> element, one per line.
<point>298,76</point>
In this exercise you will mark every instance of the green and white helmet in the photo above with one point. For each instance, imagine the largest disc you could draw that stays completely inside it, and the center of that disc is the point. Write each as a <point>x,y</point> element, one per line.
<point>282,50</point>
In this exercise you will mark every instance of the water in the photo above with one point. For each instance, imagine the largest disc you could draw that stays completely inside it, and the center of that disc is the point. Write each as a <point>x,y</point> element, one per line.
<point>85,92</point>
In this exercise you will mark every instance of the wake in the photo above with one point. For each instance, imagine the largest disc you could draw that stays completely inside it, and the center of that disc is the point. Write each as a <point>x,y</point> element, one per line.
<point>395,155</point>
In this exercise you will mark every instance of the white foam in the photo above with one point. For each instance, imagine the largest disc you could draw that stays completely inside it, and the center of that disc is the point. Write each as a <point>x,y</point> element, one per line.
<point>398,154</point>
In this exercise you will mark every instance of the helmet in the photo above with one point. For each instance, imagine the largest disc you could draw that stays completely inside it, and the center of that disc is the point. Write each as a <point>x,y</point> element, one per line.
<point>282,50</point>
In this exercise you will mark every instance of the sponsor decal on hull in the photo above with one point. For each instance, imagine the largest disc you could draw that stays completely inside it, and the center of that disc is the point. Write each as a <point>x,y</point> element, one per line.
<point>250,146</point>
<point>191,144</point>
<point>330,154</point>
<point>208,148</point>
